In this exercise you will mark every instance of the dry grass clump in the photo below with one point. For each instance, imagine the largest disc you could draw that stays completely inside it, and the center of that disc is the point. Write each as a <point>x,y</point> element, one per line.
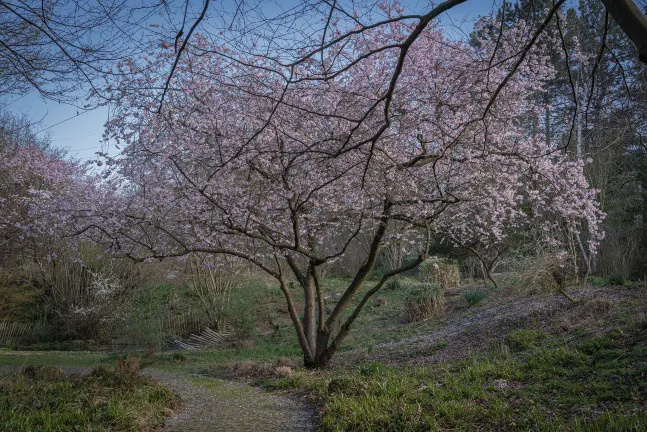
<point>283,371</point>
<point>442,271</point>
<point>43,372</point>
<point>247,369</point>
<point>424,301</point>
<point>584,314</point>
<point>544,273</point>
<point>128,369</point>
<point>597,307</point>
<point>640,320</point>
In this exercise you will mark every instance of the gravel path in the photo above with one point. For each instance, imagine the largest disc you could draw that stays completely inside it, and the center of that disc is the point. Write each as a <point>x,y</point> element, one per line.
<point>216,405</point>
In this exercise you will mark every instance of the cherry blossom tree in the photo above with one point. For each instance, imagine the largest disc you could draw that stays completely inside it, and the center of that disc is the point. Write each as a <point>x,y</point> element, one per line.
<point>31,180</point>
<point>385,136</point>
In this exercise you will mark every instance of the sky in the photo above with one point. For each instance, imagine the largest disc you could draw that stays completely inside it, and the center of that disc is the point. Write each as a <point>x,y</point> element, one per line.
<point>80,132</point>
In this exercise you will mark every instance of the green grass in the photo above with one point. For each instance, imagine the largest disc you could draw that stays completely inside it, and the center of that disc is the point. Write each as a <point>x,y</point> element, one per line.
<point>62,358</point>
<point>545,383</point>
<point>474,297</point>
<point>44,398</point>
<point>260,353</point>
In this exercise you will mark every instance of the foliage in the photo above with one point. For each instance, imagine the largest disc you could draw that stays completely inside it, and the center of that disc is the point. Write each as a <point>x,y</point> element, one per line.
<point>442,271</point>
<point>597,281</point>
<point>393,285</point>
<point>46,398</point>
<point>424,300</point>
<point>615,279</point>
<point>474,296</point>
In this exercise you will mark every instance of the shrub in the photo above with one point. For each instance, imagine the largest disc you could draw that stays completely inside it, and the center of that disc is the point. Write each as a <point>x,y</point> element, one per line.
<point>424,301</point>
<point>474,297</point>
<point>546,272</point>
<point>84,291</point>
<point>393,284</point>
<point>441,271</point>
<point>226,296</point>
<point>616,279</point>
<point>596,281</point>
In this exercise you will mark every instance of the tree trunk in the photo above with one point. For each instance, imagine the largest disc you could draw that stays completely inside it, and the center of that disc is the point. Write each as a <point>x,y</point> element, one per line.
<point>309,312</point>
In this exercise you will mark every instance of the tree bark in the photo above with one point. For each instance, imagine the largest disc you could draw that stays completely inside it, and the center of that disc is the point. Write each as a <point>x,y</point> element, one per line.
<point>632,22</point>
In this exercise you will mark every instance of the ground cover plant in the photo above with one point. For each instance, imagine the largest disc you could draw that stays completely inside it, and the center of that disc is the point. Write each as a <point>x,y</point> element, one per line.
<point>45,397</point>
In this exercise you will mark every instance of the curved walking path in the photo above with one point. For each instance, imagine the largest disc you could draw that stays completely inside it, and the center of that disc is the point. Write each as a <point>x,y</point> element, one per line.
<point>211,404</point>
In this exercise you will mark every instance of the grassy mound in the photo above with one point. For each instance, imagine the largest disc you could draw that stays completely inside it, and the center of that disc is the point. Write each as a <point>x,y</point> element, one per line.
<point>45,398</point>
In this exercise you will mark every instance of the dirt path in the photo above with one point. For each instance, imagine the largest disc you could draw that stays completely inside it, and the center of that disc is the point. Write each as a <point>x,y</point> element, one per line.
<point>216,405</point>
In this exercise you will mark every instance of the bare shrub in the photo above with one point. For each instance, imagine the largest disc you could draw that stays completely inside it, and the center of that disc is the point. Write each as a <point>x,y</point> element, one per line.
<point>424,301</point>
<point>620,253</point>
<point>213,284</point>
<point>442,271</point>
<point>83,293</point>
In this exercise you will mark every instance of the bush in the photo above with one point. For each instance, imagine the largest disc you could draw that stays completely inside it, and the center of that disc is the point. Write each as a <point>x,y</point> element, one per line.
<point>441,271</point>
<point>393,285</point>
<point>474,297</point>
<point>226,296</point>
<point>424,301</point>
<point>546,272</point>
<point>597,281</point>
<point>616,279</point>
<point>83,291</point>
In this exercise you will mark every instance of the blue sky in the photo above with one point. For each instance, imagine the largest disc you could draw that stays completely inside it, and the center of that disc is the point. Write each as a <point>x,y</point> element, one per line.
<point>81,134</point>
